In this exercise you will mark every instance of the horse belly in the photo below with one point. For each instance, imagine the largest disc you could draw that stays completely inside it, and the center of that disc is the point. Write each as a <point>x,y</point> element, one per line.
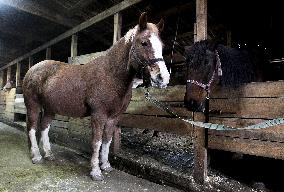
<point>66,99</point>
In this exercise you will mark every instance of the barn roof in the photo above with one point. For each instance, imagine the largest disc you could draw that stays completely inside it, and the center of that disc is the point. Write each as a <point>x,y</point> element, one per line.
<point>27,24</point>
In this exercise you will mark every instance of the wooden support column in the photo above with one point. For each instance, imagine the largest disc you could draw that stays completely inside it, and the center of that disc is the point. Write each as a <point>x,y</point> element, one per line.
<point>201,135</point>
<point>48,53</point>
<point>117,24</point>
<point>18,75</point>
<point>31,61</point>
<point>1,78</point>
<point>74,45</point>
<point>9,69</point>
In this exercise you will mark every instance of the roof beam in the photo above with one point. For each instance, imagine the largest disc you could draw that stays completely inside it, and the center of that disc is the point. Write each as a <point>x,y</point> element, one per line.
<point>34,8</point>
<point>99,17</point>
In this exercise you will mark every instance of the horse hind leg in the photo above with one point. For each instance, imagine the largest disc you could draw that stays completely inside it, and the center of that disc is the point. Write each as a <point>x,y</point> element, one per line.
<point>97,124</point>
<point>45,126</point>
<point>33,112</point>
<point>107,138</point>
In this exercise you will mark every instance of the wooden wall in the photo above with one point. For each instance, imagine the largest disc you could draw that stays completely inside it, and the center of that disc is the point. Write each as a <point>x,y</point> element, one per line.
<point>246,105</point>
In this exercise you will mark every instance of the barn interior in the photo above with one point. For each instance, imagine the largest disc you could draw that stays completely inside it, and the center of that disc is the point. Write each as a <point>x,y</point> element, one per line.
<point>255,25</point>
<point>25,25</point>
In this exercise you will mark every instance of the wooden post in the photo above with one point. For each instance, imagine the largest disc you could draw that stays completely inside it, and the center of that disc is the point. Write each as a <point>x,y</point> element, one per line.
<point>48,53</point>
<point>1,78</point>
<point>18,75</point>
<point>117,24</point>
<point>200,144</point>
<point>74,45</point>
<point>30,61</point>
<point>9,73</point>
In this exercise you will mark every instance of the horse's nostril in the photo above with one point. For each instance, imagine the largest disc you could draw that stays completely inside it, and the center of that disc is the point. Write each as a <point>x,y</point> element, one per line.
<point>159,77</point>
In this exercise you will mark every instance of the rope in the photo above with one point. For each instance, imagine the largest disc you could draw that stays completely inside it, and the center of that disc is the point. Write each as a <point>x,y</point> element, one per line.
<point>215,126</point>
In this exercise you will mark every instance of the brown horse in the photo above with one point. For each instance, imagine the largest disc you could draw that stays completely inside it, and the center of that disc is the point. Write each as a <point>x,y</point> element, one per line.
<point>100,89</point>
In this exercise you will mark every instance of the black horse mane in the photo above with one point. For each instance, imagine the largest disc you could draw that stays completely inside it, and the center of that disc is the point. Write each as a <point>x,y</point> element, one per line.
<point>238,65</point>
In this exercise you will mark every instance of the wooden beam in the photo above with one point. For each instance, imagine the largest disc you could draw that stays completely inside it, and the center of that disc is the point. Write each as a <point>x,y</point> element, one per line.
<point>34,8</point>
<point>9,73</point>
<point>201,135</point>
<point>1,79</point>
<point>101,16</point>
<point>117,25</point>
<point>18,75</point>
<point>201,20</point>
<point>30,61</point>
<point>74,45</point>
<point>48,53</point>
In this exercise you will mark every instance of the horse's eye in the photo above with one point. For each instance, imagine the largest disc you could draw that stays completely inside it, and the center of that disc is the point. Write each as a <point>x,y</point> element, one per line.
<point>144,43</point>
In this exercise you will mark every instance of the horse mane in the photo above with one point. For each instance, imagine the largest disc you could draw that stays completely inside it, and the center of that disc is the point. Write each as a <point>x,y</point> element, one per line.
<point>238,65</point>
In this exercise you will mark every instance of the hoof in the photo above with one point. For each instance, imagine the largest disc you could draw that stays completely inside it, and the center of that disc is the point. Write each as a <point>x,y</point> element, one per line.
<point>49,157</point>
<point>37,160</point>
<point>107,169</point>
<point>97,177</point>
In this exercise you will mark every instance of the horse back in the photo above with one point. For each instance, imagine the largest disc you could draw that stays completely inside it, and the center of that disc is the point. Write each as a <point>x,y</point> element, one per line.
<point>58,87</point>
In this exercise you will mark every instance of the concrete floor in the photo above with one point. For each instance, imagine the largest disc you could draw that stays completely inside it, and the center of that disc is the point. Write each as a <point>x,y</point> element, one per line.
<point>69,172</point>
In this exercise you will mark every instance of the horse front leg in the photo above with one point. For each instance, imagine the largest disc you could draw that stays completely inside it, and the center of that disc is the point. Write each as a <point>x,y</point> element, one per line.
<point>97,125</point>
<point>107,138</point>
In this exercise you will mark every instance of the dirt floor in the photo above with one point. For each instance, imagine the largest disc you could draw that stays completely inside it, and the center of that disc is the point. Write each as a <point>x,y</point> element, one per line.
<point>227,171</point>
<point>69,172</point>
<point>166,160</point>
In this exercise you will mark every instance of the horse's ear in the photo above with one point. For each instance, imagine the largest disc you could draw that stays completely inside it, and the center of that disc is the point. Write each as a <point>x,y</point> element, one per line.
<point>143,21</point>
<point>160,25</point>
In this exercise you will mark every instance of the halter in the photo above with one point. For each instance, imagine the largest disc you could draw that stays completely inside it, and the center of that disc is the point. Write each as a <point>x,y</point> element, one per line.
<point>207,86</point>
<point>144,63</point>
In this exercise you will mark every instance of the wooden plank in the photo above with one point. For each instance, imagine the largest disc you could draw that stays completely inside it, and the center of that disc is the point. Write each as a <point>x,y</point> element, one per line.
<point>275,133</point>
<point>147,108</point>
<point>255,89</point>
<point>83,59</point>
<point>247,146</point>
<point>164,124</point>
<point>99,17</point>
<point>249,107</point>
<point>171,93</point>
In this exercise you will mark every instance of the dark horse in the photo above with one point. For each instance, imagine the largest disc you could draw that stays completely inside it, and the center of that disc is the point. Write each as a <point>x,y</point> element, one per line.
<point>210,64</point>
<point>100,89</point>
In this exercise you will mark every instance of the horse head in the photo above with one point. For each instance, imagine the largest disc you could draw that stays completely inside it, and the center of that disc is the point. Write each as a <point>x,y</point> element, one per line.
<point>203,65</point>
<point>146,52</point>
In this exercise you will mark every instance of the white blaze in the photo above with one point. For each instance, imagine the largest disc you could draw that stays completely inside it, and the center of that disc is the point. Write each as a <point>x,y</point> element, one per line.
<point>158,48</point>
